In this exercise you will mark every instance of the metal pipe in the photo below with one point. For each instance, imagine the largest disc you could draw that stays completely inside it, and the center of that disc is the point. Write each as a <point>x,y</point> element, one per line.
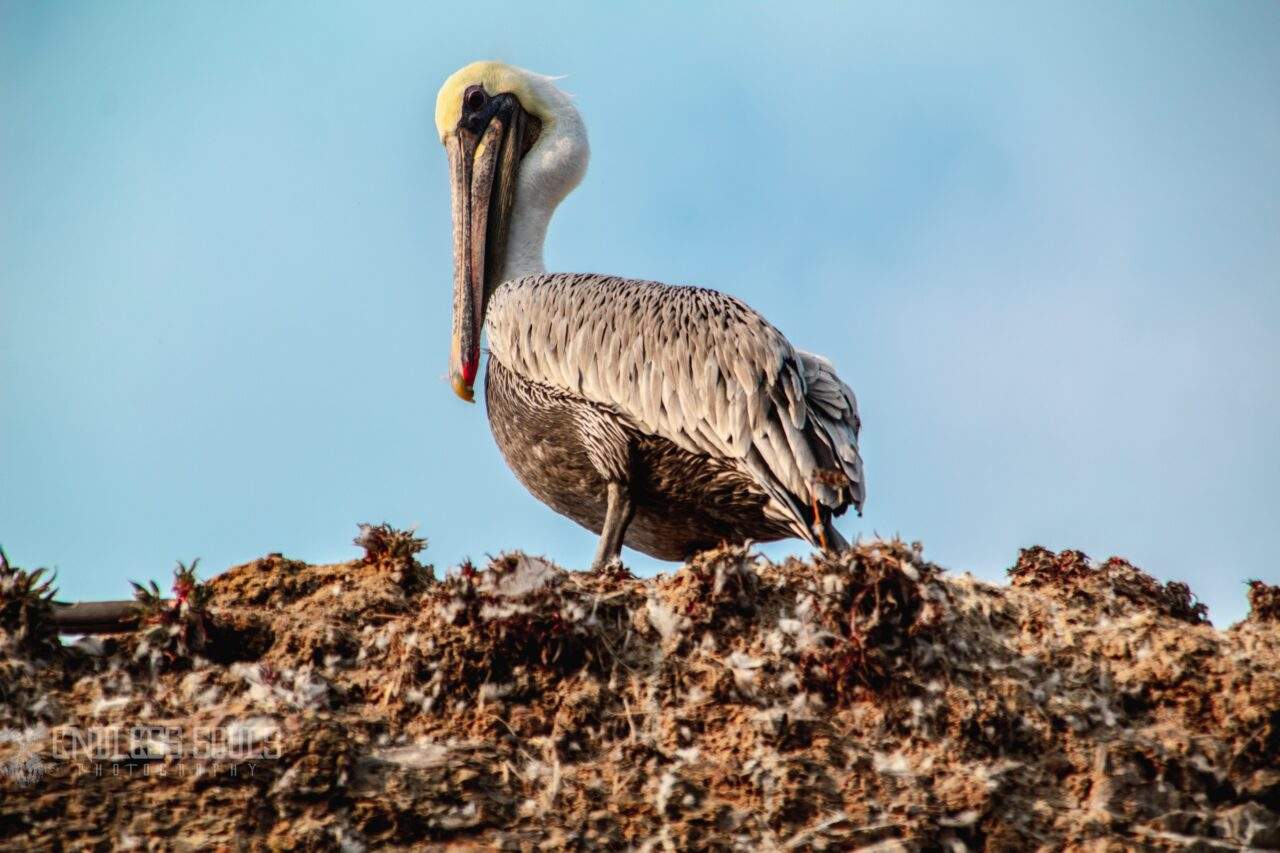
<point>97,617</point>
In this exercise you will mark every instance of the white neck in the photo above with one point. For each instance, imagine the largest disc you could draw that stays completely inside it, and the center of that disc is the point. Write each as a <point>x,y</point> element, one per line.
<point>525,241</point>
<point>552,168</point>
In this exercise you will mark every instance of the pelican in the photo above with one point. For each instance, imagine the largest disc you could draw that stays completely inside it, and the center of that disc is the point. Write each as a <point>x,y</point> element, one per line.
<point>667,418</point>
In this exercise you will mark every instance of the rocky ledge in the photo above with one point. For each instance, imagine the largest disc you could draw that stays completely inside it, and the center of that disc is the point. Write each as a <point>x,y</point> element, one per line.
<point>870,700</point>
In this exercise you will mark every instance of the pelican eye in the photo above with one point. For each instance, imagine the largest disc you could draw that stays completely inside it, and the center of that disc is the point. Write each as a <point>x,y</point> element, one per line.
<point>474,99</point>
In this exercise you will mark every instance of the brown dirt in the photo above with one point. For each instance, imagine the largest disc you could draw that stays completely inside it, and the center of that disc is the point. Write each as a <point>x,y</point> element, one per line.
<point>866,701</point>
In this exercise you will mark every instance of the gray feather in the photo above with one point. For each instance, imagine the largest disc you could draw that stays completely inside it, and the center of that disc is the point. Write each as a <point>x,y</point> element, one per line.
<point>692,366</point>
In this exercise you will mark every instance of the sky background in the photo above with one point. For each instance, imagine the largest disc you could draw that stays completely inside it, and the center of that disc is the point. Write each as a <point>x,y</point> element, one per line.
<point>1043,245</point>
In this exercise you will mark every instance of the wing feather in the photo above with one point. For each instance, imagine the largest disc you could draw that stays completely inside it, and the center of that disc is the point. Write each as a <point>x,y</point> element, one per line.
<point>696,367</point>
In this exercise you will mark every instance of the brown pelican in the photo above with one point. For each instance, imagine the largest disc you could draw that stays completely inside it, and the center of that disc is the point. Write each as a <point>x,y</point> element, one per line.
<point>667,418</point>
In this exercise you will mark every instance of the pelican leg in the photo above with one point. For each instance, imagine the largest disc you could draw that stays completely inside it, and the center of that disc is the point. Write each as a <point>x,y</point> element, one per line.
<point>818,527</point>
<point>617,516</point>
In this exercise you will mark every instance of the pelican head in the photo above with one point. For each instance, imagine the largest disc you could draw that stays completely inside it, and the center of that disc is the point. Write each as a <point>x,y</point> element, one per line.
<point>516,147</point>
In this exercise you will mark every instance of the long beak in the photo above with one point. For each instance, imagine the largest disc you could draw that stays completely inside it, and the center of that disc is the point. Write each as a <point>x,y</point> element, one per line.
<point>482,170</point>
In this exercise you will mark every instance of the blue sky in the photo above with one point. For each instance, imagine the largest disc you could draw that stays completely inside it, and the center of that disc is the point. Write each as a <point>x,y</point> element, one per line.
<point>1042,244</point>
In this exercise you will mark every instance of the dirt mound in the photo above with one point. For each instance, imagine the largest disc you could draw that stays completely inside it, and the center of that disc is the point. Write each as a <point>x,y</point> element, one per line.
<point>865,700</point>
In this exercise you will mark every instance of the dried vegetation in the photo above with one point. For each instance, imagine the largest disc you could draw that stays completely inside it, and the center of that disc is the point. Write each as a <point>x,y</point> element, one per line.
<point>833,703</point>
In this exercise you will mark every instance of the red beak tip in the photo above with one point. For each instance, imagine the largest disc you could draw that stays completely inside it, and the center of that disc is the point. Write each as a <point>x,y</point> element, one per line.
<point>464,389</point>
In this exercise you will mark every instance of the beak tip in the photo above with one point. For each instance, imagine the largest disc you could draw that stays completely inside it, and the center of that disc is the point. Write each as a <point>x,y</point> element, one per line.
<point>463,389</point>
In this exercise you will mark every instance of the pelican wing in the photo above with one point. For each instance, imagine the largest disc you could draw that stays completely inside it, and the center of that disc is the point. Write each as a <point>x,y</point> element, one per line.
<point>696,367</point>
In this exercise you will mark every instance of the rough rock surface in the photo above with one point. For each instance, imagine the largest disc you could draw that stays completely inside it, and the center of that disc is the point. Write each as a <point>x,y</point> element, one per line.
<point>866,701</point>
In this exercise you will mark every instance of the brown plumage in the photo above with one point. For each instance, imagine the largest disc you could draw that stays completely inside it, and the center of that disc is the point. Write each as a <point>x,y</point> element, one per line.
<point>714,425</point>
<point>667,418</point>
